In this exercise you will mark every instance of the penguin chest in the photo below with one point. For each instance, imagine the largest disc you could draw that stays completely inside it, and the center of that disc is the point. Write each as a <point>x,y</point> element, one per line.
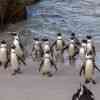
<point>82,52</point>
<point>71,50</point>
<point>3,54</point>
<point>14,61</point>
<point>89,69</point>
<point>59,44</point>
<point>19,51</point>
<point>46,65</point>
<point>89,47</point>
<point>46,48</point>
<point>36,46</point>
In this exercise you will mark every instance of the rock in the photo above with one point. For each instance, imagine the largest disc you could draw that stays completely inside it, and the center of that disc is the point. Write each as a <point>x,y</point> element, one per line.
<point>13,10</point>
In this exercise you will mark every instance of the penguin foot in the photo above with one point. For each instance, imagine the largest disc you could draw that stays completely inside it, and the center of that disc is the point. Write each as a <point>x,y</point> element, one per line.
<point>87,81</point>
<point>18,71</point>
<point>93,81</point>
<point>44,74</point>
<point>49,74</point>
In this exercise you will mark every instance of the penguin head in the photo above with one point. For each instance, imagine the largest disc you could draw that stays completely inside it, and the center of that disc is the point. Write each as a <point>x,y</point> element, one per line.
<point>72,34</point>
<point>72,40</point>
<point>3,43</point>
<point>83,43</point>
<point>13,49</point>
<point>36,39</point>
<point>46,41</point>
<point>15,35</point>
<point>59,37</point>
<point>59,34</point>
<point>89,37</point>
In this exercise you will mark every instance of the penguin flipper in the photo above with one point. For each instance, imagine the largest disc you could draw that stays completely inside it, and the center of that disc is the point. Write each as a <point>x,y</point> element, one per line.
<point>20,59</point>
<point>41,65</point>
<point>22,47</point>
<point>82,69</point>
<point>97,68</point>
<point>66,47</point>
<point>53,64</point>
<point>54,44</point>
<point>6,64</point>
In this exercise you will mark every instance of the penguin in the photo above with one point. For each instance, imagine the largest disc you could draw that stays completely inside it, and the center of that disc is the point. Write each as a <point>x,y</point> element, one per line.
<point>14,60</point>
<point>72,48</point>
<point>46,47</point>
<point>4,54</point>
<point>77,42</point>
<point>46,64</point>
<point>58,46</point>
<point>19,47</point>
<point>83,93</point>
<point>88,68</point>
<point>82,50</point>
<point>90,45</point>
<point>37,49</point>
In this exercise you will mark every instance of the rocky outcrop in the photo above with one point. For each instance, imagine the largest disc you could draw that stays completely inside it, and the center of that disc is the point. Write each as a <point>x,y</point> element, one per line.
<point>13,10</point>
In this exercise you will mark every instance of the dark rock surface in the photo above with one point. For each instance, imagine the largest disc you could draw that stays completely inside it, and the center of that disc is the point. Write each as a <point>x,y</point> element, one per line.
<point>13,10</point>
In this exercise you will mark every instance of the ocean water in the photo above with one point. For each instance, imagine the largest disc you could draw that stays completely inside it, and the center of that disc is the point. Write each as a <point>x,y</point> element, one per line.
<point>49,17</point>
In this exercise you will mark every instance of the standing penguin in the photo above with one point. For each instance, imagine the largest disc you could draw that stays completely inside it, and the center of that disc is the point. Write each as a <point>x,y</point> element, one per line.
<point>90,46</point>
<point>37,49</point>
<point>46,47</point>
<point>77,42</point>
<point>15,61</point>
<point>72,48</point>
<point>4,54</point>
<point>19,47</point>
<point>46,64</point>
<point>88,68</point>
<point>58,46</point>
<point>82,50</point>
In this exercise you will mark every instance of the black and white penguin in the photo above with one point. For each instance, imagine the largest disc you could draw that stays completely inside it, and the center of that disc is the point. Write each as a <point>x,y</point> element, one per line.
<point>90,45</point>
<point>58,47</point>
<point>77,42</point>
<point>82,50</point>
<point>37,49</point>
<point>4,54</point>
<point>88,68</point>
<point>46,47</point>
<point>83,93</point>
<point>19,47</point>
<point>14,61</point>
<point>72,48</point>
<point>46,64</point>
